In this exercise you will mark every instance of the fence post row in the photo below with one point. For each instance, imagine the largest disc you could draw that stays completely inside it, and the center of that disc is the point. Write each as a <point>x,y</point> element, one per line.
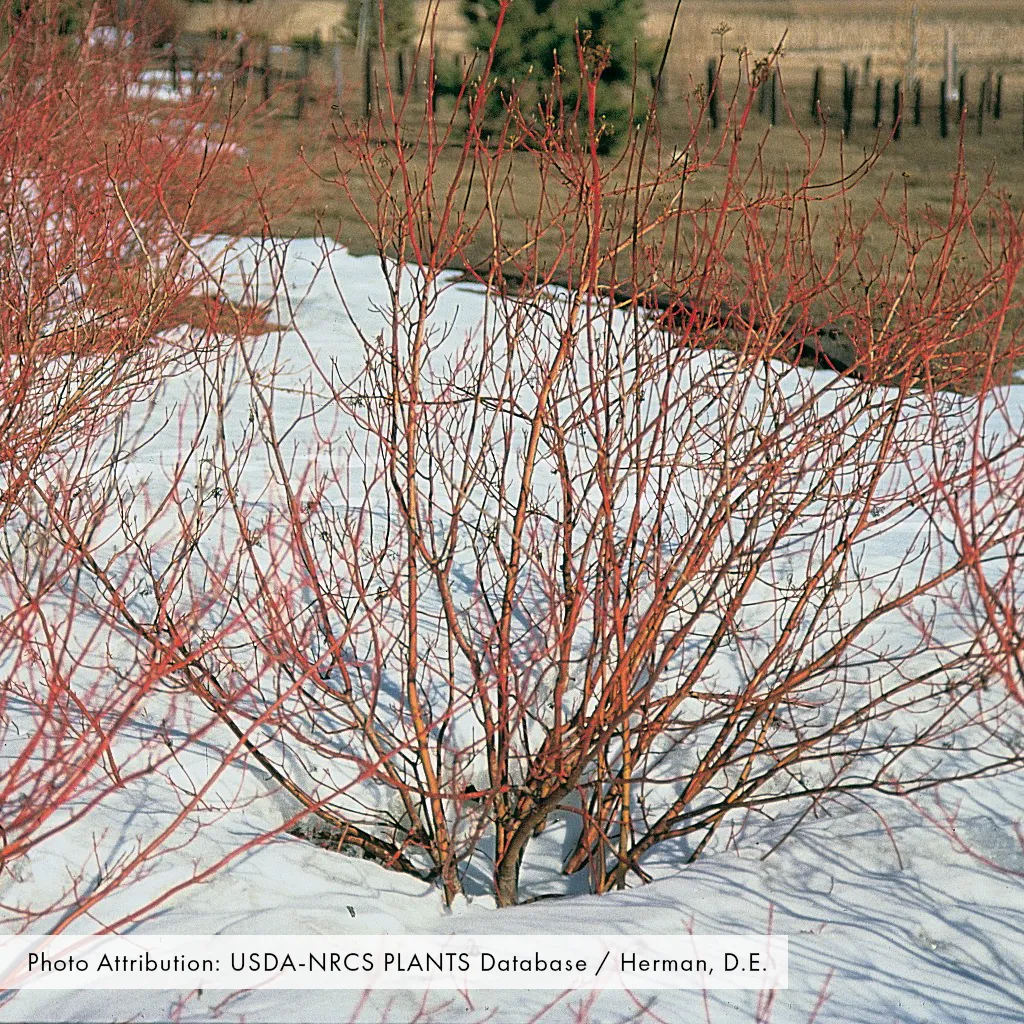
<point>990,91</point>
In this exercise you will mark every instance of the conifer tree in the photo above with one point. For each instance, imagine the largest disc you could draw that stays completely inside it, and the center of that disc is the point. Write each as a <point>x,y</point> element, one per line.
<point>362,22</point>
<point>539,35</point>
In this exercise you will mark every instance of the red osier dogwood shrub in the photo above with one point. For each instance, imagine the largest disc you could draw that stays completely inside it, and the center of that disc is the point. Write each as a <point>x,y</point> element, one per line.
<point>578,567</point>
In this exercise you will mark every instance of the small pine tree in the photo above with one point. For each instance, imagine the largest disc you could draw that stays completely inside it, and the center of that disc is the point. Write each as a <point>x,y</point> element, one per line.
<point>538,35</point>
<point>365,15</point>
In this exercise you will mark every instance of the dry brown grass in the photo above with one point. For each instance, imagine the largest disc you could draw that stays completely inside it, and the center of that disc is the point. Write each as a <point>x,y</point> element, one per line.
<point>989,33</point>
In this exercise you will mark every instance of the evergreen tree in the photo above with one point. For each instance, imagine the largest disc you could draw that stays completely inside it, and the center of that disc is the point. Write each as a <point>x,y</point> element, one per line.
<point>365,14</point>
<point>538,34</point>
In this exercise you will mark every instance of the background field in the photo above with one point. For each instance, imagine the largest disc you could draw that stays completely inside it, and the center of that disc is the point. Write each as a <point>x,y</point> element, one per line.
<point>989,35</point>
<point>870,37</point>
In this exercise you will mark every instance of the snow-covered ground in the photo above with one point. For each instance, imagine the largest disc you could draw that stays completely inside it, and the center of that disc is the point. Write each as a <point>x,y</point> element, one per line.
<point>168,87</point>
<point>890,918</point>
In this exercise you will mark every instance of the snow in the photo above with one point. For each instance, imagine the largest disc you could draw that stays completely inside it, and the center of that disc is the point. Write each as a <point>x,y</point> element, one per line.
<point>168,87</point>
<point>110,36</point>
<point>888,917</point>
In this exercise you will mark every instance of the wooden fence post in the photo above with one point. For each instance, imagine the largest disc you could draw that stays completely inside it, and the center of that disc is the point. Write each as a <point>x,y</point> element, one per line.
<point>849,95</point>
<point>912,56</point>
<point>400,63</point>
<point>774,97</point>
<point>300,95</point>
<point>878,103</point>
<point>917,102</point>
<point>997,104</point>
<point>368,79</point>
<point>816,95</point>
<point>943,110</point>
<point>897,109</point>
<point>713,93</point>
<point>950,65</point>
<point>338,61</point>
